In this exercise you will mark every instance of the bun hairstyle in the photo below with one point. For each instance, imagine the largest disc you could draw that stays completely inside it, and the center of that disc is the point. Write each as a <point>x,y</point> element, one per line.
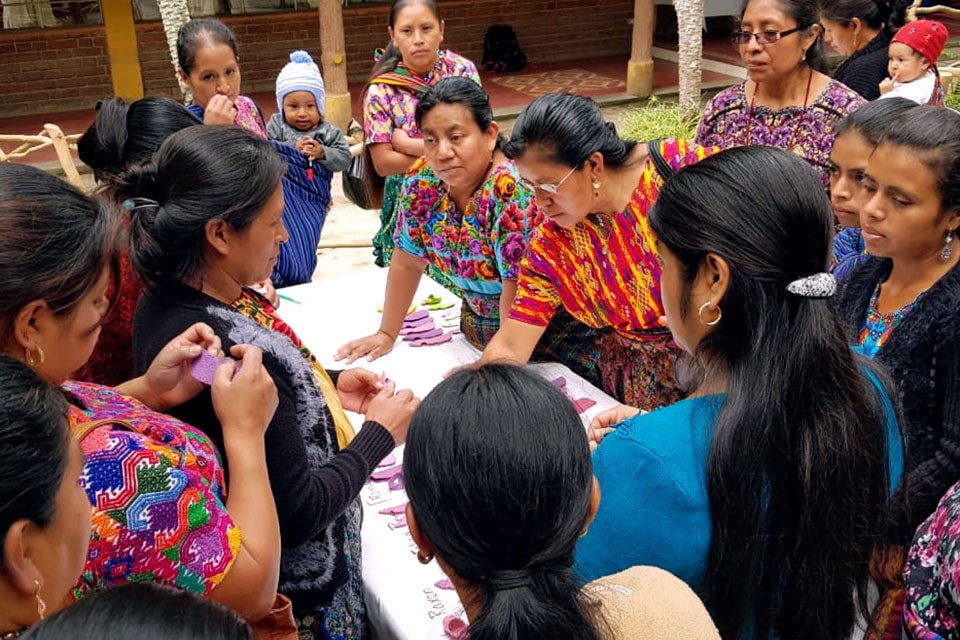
<point>56,241</point>
<point>568,129</point>
<point>875,14</point>
<point>198,175</point>
<point>797,472</point>
<point>125,133</point>
<point>498,473</point>
<point>805,14</point>
<point>34,437</point>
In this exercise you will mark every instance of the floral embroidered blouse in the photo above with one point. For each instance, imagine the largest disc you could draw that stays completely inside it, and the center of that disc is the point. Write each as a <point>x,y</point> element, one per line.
<point>476,249</point>
<point>605,271</point>
<point>386,107</point>
<point>158,498</point>
<point>877,327</point>
<point>727,122</point>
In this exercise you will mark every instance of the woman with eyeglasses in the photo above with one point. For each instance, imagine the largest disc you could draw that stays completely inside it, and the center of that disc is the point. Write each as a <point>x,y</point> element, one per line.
<point>465,211</point>
<point>787,100</point>
<point>594,256</point>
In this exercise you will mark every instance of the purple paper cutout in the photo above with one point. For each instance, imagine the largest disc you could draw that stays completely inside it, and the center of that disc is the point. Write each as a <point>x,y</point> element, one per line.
<point>206,365</point>
<point>433,333</point>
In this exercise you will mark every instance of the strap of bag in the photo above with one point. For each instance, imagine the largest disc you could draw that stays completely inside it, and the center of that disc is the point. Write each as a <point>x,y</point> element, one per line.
<point>81,431</point>
<point>659,162</point>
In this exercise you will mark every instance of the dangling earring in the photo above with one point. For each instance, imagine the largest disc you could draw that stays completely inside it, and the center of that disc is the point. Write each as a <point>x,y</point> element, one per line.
<point>41,605</point>
<point>35,359</point>
<point>424,558</point>
<point>700,314</point>
<point>596,187</point>
<point>947,252</point>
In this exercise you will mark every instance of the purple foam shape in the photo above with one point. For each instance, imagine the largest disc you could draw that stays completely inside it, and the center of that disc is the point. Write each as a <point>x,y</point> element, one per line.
<point>206,365</point>
<point>559,383</point>
<point>395,510</point>
<point>389,461</point>
<point>396,483</point>
<point>416,315</point>
<point>446,337</point>
<point>385,474</point>
<point>433,333</point>
<point>416,323</point>
<point>421,328</point>
<point>583,404</point>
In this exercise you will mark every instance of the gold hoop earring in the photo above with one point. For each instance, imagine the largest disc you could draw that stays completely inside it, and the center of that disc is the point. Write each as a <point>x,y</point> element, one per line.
<point>36,359</point>
<point>700,314</point>
<point>424,558</point>
<point>41,605</point>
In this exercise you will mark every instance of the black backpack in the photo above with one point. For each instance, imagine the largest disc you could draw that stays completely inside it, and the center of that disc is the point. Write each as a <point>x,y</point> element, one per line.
<point>501,51</point>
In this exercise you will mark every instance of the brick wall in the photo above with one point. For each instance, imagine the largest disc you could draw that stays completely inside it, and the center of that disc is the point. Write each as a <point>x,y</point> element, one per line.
<point>55,70</point>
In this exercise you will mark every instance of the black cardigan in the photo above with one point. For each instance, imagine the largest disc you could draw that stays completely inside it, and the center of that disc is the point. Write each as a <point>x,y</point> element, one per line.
<point>315,486</point>
<point>865,69</point>
<point>922,356</point>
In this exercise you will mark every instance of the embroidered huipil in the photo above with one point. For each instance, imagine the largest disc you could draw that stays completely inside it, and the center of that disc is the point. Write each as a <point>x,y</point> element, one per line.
<point>604,271</point>
<point>476,249</point>
<point>877,327</point>
<point>807,132</point>
<point>159,511</point>
<point>387,106</point>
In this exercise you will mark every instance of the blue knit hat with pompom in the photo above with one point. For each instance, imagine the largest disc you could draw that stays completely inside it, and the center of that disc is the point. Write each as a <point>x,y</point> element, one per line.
<point>300,74</point>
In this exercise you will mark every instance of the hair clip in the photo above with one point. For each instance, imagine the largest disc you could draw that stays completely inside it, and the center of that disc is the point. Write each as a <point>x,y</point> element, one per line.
<point>129,204</point>
<point>818,285</point>
<point>132,204</point>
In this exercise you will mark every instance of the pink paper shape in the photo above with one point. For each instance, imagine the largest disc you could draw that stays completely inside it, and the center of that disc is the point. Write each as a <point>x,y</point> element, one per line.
<point>394,510</point>
<point>416,315</point>
<point>420,328</point>
<point>385,474</point>
<point>417,322</point>
<point>455,627</point>
<point>445,584</point>
<point>583,404</point>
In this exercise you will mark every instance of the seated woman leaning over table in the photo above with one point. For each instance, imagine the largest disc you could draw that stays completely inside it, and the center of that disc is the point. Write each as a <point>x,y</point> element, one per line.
<point>594,256</point>
<point>464,210</point>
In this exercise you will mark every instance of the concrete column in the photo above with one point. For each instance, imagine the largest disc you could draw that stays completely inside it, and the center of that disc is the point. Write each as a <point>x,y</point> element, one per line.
<point>333,59</point>
<point>640,66</point>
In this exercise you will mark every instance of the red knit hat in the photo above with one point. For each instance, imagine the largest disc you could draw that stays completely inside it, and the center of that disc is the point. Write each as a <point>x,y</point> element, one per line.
<point>926,37</point>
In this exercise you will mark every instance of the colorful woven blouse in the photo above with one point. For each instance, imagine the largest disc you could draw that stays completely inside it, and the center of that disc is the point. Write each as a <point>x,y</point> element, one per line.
<point>158,498</point>
<point>932,574</point>
<point>877,327</point>
<point>809,132</point>
<point>476,249</point>
<point>604,271</point>
<point>387,106</point>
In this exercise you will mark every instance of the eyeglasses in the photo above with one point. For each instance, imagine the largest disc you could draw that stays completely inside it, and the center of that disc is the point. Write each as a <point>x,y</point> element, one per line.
<point>741,38</point>
<point>548,187</point>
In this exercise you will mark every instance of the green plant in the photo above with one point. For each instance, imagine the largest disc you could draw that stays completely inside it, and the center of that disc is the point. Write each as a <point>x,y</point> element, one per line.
<point>953,98</point>
<point>659,120</point>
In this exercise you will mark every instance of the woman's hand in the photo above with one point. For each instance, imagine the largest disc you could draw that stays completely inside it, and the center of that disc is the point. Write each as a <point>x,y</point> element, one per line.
<point>168,383</point>
<point>372,346</point>
<point>356,388</point>
<point>605,423</point>
<point>244,398</point>
<point>220,110</point>
<point>393,410</point>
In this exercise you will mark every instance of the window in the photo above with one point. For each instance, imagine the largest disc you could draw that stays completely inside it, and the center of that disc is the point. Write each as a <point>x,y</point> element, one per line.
<point>34,14</point>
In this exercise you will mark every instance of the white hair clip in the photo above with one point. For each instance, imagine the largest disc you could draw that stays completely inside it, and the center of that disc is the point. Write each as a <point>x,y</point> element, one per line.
<point>819,285</point>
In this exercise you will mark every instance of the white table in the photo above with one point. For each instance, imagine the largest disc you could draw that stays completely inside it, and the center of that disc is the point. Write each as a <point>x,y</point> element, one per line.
<point>403,599</point>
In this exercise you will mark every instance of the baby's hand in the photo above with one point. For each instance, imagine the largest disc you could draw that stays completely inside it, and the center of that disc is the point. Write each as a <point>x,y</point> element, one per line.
<point>886,86</point>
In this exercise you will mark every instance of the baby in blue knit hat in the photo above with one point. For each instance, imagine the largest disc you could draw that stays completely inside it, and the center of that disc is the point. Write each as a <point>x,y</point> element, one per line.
<point>300,120</point>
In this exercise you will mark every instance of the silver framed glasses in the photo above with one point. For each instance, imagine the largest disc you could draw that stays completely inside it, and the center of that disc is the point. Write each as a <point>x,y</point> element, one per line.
<point>547,187</point>
<point>742,38</point>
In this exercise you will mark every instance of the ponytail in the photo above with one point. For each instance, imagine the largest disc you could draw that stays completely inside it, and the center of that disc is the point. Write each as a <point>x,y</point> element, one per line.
<point>797,472</point>
<point>499,479</point>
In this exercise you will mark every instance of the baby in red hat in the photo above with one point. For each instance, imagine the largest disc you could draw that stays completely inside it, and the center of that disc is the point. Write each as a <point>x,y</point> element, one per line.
<point>912,63</point>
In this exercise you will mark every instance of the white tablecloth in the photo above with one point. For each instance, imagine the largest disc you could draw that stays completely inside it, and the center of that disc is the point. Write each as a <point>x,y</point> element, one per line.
<point>403,598</point>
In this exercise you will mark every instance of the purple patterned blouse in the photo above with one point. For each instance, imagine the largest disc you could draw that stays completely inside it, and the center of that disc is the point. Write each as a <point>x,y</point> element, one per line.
<point>807,132</point>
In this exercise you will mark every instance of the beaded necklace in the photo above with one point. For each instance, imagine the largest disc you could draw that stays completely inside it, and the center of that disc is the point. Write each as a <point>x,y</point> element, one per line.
<point>793,136</point>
